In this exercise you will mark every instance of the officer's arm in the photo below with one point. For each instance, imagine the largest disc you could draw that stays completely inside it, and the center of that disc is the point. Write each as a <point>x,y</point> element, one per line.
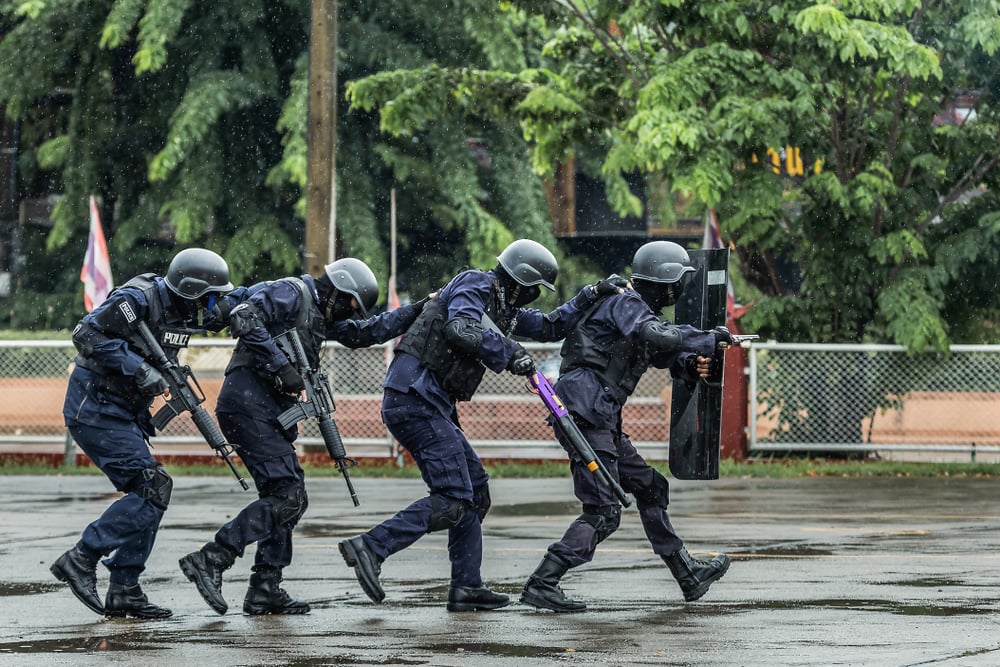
<point>557,324</point>
<point>377,329</point>
<point>663,337</point>
<point>275,304</point>
<point>466,306</point>
<point>101,336</point>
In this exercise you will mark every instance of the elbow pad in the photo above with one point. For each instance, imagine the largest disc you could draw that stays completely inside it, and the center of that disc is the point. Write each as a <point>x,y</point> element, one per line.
<point>661,337</point>
<point>464,335</point>
<point>86,338</point>
<point>243,319</point>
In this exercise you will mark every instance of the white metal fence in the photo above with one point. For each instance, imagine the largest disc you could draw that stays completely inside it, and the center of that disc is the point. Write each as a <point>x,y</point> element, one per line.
<point>504,420</point>
<point>803,398</point>
<point>874,398</point>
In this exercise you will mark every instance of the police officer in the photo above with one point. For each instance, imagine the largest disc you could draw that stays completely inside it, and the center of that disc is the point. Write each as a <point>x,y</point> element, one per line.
<point>260,384</point>
<point>441,360</point>
<point>107,412</point>
<point>603,359</point>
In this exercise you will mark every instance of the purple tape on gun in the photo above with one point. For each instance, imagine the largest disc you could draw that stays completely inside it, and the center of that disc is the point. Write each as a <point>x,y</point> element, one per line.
<point>548,394</point>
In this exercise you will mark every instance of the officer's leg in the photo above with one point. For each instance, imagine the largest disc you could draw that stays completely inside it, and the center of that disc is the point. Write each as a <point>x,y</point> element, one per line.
<point>127,529</point>
<point>600,518</point>
<point>270,457</point>
<point>651,491</point>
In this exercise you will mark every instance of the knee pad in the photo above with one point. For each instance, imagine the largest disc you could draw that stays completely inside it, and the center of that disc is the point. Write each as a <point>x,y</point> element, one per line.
<point>445,512</point>
<point>657,495</point>
<point>481,500</point>
<point>605,519</point>
<point>153,484</point>
<point>288,508</point>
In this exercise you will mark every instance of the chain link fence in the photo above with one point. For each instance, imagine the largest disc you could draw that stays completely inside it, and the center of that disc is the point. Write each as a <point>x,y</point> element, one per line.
<point>503,421</point>
<point>874,399</point>
<point>803,398</point>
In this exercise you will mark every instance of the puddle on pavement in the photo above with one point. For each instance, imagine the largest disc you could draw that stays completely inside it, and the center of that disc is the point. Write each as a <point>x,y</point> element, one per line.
<point>493,649</point>
<point>571,508</point>
<point>76,645</point>
<point>787,550</point>
<point>926,582</point>
<point>31,588</point>
<point>882,606</point>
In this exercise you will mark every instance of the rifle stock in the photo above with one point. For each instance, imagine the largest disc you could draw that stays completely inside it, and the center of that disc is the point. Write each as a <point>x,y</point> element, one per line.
<point>319,404</point>
<point>572,432</point>
<point>184,398</point>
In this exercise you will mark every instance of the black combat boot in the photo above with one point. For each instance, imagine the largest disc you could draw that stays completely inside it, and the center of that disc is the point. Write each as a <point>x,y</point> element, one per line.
<point>693,575</point>
<point>367,566</point>
<point>204,568</point>
<point>122,601</point>
<point>480,598</point>
<point>542,589</point>
<point>266,596</point>
<point>80,573</point>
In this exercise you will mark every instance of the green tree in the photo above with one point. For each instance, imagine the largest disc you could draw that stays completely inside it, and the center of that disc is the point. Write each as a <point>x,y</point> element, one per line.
<point>893,239</point>
<point>188,121</point>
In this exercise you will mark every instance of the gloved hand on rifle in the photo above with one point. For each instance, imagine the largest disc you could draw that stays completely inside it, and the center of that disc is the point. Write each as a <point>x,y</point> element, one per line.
<point>149,381</point>
<point>521,363</point>
<point>288,380</point>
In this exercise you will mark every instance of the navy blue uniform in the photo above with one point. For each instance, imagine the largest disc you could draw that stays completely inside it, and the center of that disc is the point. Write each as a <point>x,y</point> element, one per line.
<point>421,414</point>
<point>249,404</point>
<point>597,409</point>
<point>110,421</point>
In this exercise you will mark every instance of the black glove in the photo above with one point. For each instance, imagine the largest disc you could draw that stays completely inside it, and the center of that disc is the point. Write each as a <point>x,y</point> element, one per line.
<point>289,380</point>
<point>722,335</point>
<point>149,381</point>
<point>419,305</point>
<point>521,362</point>
<point>610,285</point>
<point>220,311</point>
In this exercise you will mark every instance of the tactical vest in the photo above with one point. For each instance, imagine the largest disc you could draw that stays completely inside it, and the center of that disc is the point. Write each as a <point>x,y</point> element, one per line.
<point>171,338</point>
<point>309,323</point>
<point>458,372</point>
<point>619,366</point>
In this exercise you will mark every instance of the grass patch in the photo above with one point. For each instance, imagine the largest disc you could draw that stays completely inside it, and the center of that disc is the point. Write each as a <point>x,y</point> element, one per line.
<point>770,469</point>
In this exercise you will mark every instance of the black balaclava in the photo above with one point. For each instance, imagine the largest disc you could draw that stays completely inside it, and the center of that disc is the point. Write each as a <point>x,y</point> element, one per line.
<point>186,308</point>
<point>334,304</point>
<point>515,294</point>
<point>658,295</point>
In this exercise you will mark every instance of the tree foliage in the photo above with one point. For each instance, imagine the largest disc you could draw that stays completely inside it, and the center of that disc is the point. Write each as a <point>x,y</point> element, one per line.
<point>188,121</point>
<point>890,238</point>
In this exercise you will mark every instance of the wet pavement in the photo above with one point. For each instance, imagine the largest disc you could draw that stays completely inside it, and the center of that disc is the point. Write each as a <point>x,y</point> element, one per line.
<point>826,571</point>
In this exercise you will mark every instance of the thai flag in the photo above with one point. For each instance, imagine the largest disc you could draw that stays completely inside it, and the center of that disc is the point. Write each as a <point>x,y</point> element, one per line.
<point>96,272</point>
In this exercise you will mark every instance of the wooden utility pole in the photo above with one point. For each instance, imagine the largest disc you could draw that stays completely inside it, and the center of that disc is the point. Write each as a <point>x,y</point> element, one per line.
<point>321,191</point>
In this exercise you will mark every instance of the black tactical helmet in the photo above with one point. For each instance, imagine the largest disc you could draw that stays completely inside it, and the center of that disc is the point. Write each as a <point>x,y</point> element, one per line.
<point>661,262</point>
<point>352,276</point>
<point>195,272</point>
<point>529,263</point>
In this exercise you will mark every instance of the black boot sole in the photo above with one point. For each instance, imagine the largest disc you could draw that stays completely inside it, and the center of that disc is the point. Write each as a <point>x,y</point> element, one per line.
<point>193,576</point>
<point>146,616</point>
<point>540,602</point>
<point>268,611</point>
<point>474,606</point>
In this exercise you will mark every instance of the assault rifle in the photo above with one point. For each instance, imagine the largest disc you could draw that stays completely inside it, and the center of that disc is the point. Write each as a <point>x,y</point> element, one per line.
<point>540,385</point>
<point>319,403</point>
<point>183,397</point>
